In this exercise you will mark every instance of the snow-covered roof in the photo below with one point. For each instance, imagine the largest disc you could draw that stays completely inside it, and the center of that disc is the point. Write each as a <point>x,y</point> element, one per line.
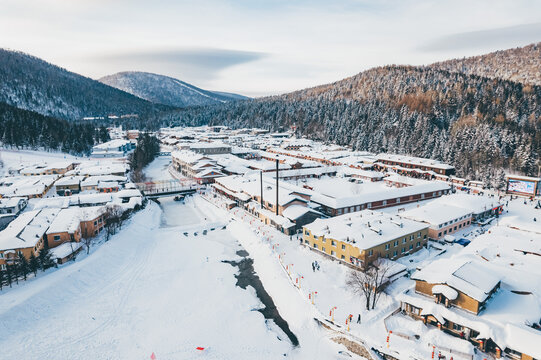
<point>294,212</point>
<point>27,229</point>
<point>69,180</point>
<point>65,249</point>
<point>413,160</point>
<point>391,193</point>
<point>446,291</point>
<point>470,277</point>
<point>365,229</point>
<point>68,220</point>
<point>436,214</point>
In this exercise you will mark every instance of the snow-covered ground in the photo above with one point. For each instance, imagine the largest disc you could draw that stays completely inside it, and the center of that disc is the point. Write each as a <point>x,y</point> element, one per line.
<point>158,169</point>
<point>148,289</point>
<point>156,287</point>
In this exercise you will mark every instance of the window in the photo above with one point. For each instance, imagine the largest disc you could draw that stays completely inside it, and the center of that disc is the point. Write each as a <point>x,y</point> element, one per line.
<point>387,246</point>
<point>395,253</point>
<point>445,232</point>
<point>370,252</point>
<point>418,244</point>
<point>323,239</point>
<point>457,327</point>
<point>419,235</point>
<point>411,237</point>
<point>95,222</point>
<point>343,247</point>
<point>411,246</point>
<point>455,228</point>
<point>306,242</point>
<point>339,211</point>
<point>95,232</point>
<point>333,253</point>
<point>1,255</point>
<point>343,257</point>
<point>403,250</point>
<point>333,243</point>
<point>404,240</point>
<point>323,249</point>
<point>3,267</point>
<point>315,246</point>
<point>396,243</point>
<point>57,238</point>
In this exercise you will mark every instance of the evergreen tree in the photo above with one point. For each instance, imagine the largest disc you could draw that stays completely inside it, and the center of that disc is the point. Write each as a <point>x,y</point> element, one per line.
<point>45,259</point>
<point>34,264</point>
<point>23,266</point>
<point>9,275</point>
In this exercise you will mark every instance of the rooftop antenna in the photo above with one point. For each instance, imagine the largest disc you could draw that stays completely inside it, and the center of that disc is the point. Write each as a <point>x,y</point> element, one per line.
<point>261,181</point>
<point>277,163</point>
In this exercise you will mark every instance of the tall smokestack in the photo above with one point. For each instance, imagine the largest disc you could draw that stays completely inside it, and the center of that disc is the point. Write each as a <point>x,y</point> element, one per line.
<point>261,182</point>
<point>277,163</point>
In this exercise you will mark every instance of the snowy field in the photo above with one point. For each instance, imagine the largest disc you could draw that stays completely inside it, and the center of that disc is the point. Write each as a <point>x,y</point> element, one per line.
<point>148,289</point>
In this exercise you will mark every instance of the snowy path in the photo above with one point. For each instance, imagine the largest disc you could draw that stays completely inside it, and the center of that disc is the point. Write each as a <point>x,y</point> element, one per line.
<point>148,289</point>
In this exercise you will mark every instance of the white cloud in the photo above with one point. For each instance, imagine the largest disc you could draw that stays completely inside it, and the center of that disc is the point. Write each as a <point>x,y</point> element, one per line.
<point>305,42</point>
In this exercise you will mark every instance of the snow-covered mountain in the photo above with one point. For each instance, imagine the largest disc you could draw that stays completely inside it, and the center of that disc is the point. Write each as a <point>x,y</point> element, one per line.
<point>166,90</point>
<point>30,83</point>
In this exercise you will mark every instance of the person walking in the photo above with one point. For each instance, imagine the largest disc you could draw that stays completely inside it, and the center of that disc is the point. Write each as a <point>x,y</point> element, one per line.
<point>359,319</point>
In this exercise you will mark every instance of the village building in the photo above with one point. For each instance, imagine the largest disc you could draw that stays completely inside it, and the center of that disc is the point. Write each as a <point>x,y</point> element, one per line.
<point>65,227</point>
<point>65,252</point>
<point>443,220</point>
<point>91,183</point>
<point>12,205</point>
<point>403,164</point>
<point>68,185</point>
<point>92,220</point>
<point>25,235</point>
<point>378,199</point>
<point>26,186</point>
<point>57,168</point>
<point>211,148</point>
<point>113,148</point>
<point>108,186</point>
<point>201,168</point>
<point>363,237</point>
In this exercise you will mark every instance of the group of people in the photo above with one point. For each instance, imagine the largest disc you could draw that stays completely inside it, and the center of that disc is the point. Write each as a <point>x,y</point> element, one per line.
<point>315,266</point>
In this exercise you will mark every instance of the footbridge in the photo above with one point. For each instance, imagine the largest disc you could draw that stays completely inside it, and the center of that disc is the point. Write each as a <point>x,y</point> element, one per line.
<point>160,188</point>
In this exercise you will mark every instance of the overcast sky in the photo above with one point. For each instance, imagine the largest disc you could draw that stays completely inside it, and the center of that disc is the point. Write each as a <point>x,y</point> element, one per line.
<point>259,47</point>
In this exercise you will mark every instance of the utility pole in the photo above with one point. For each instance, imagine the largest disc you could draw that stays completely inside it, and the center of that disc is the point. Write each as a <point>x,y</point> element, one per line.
<point>261,182</point>
<point>277,166</point>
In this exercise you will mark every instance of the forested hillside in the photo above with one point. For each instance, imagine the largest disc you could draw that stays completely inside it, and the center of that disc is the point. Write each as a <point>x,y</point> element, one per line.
<point>165,90</point>
<point>482,126</point>
<point>33,84</point>
<point>519,64</point>
<point>23,129</point>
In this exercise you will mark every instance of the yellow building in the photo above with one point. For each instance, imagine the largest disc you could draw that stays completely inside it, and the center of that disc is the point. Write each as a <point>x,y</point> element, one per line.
<point>362,237</point>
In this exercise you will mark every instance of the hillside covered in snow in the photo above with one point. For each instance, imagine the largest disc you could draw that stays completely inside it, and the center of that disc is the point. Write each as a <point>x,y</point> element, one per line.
<point>165,90</point>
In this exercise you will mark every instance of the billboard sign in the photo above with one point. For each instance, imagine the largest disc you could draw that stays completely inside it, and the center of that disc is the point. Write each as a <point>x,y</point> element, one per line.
<point>521,187</point>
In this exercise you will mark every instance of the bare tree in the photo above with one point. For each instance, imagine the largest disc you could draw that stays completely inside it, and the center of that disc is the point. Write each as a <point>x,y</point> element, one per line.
<point>370,282</point>
<point>87,241</point>
<point>113,219</point>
